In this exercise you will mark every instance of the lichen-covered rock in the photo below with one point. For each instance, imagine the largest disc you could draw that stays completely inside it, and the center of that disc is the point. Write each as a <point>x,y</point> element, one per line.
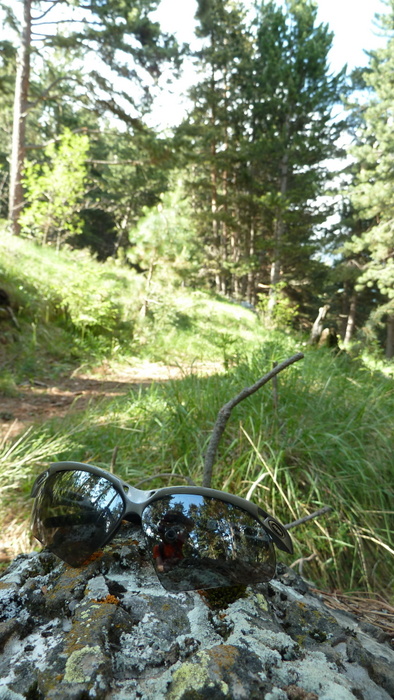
<point>110,631</point>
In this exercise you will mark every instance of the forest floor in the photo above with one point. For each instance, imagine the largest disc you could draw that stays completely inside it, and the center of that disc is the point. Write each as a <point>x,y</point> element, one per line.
<point>37,401</point>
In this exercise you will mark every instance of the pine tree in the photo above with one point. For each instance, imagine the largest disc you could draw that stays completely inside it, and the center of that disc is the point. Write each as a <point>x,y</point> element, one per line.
<point>264,124</point>
<point>292,133</point>
<point>123,38</point>
<point>372,193</point>
<point>211,139</point>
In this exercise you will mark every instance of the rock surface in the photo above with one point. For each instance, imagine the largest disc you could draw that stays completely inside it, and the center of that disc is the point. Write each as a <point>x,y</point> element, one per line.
<point>110,631</point>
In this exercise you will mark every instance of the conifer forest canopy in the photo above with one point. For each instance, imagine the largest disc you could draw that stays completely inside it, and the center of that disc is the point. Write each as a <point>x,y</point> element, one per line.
<point>275,187</point>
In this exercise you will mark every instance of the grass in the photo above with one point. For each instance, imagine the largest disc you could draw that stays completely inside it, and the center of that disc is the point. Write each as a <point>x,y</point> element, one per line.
<point>325,437</point>
<point>72,309</point>
<point>314,447</point>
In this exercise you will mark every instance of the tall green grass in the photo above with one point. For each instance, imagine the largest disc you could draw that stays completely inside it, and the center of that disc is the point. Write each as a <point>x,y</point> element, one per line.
<point>323,439</point>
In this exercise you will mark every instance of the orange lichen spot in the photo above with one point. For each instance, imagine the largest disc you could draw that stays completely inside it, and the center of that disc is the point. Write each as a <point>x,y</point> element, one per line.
<point>225,656</point>
<point>110,599</point>
<point>93,557</point>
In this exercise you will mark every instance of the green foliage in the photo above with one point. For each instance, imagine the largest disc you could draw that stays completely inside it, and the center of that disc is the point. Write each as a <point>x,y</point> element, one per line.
<point>187,327</point>
<point>81,296</point>
<point>7,384</point>
<point>55,190</point>
<point>20,460</point>
<point>259,136</point>
<point>372,190</point>
<point>165,241</point>
<point>97,308</point>
<point>130,171</point>
<point>284,312</point>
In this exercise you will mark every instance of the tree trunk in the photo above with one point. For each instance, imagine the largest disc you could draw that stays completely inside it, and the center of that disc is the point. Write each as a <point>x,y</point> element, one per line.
<point>276,265</point>
<point>214,191</point>
<point>279,229</point>
<point>279,226</point>
<point>318,324</point>
<point>390,337</point>
<point>16,198</point>
<point>351,320</point>
<point>251,276</point>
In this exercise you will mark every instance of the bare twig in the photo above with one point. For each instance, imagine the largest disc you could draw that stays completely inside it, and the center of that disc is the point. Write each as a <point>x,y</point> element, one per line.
<point>275,389</point>
<point>113,459</point>
<point>316,514</point>
<point>300,562</point>
<point>225,411</point>
<point>167,475</point>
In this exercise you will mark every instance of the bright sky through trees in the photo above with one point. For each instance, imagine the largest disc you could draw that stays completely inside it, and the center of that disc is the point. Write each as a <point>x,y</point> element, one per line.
<point>352,22</point>
<point>354,29</point>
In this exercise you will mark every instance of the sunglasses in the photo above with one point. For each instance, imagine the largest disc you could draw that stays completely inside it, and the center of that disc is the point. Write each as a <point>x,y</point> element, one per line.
<point>198,538</point>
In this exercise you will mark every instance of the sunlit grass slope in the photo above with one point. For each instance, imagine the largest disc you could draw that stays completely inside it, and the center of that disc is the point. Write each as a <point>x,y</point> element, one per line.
<point>72,308</point>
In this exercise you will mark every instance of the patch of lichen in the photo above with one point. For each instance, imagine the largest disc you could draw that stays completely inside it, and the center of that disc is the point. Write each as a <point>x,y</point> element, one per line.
<point>95,626</point>
<point>300,639</point>
<point>5,585</point>
<point>63,587</point>
<point>220,598</point>
<point>192,680</point>
<point>309,626</point>
<point>210,674</point>
<point>109,599</point>
<point>96,555</point>
<point>88,625</point>
<point>224,656</point>
<point>83,664</point>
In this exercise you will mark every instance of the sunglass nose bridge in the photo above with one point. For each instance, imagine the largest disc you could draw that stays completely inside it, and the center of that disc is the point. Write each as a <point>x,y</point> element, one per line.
<point>136,495</point>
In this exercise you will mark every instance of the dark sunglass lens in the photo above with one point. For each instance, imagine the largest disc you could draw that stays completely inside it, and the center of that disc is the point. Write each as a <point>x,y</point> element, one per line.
<point>200,542</point>
<point>75,513</point>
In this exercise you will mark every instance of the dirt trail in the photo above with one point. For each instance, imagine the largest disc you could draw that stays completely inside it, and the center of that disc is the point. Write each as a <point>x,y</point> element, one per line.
<point>37,401</point>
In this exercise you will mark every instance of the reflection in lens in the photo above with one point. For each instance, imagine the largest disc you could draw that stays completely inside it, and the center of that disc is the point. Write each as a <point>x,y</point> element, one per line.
<point>200,542</point>
<point>75,513</point>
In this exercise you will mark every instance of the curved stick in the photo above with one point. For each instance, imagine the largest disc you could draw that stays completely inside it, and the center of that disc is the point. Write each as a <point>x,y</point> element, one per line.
<point>225,411</point>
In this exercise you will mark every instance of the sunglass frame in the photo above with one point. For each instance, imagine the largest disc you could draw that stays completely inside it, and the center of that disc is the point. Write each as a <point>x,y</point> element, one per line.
<point>136,500</point>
